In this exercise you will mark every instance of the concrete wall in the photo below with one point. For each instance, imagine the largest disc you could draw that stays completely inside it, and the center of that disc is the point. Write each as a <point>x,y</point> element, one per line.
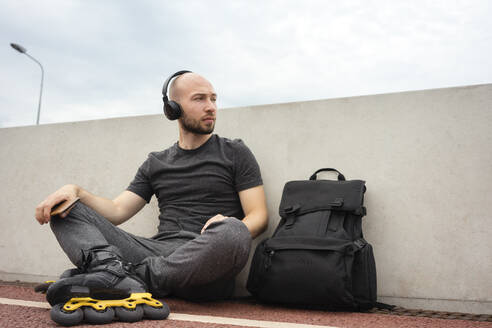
<point>426,157</point>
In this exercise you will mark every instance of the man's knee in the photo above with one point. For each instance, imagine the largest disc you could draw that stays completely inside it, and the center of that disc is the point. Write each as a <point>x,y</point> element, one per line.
<point>79,211</point>
<point>233,235</point>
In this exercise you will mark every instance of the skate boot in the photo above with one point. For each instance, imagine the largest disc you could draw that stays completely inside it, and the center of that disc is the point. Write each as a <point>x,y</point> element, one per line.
<point>43,287</point>
<point>109,289</point>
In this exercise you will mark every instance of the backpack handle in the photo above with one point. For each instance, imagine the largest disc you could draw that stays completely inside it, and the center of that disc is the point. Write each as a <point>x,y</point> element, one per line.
<point>341,177</point>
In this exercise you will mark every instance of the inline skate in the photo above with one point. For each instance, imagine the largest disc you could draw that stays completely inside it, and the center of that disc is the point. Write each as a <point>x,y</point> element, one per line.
<point>107,289</point>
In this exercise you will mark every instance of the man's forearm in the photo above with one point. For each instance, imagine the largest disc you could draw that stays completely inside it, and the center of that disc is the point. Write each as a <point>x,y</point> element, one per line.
<point>256,222</point>
<point>255,210</point>
<point>105,207</point>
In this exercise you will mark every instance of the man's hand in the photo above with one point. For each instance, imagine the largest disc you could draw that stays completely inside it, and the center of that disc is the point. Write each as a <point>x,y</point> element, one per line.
<point>67,192</point>
<point>217,218</point>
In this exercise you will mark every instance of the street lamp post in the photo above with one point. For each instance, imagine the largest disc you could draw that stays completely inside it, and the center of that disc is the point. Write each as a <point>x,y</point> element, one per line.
<point>23,50</point>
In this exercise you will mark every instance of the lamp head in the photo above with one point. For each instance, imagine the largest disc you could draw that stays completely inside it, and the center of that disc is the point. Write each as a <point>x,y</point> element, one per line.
<point>19,48</point>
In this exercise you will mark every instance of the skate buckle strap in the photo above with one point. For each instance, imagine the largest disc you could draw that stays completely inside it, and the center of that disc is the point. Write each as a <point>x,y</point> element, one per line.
<point>129,303</point>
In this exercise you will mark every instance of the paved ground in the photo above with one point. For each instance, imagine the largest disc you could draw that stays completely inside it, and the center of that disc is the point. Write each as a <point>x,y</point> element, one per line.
<point>31,310</point>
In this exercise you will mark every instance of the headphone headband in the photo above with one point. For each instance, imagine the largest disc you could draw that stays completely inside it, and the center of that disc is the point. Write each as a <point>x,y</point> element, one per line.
<point>166,84</point>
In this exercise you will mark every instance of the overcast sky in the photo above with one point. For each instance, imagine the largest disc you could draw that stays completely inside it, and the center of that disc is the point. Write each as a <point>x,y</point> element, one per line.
<point>109,58</point>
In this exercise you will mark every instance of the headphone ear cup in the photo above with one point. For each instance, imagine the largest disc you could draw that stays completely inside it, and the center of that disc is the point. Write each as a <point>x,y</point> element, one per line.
<point>172,110</point>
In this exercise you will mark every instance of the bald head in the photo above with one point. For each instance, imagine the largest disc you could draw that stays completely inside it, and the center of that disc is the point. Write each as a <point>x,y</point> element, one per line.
<point>186,83</point>
<point>197,100</point>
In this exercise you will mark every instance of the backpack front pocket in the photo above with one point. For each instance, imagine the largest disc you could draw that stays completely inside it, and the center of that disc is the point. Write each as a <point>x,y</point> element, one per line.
<point>307,271</point>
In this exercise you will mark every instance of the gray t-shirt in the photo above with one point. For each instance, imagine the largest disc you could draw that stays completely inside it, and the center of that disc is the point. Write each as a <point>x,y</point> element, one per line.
<point>191,186</point>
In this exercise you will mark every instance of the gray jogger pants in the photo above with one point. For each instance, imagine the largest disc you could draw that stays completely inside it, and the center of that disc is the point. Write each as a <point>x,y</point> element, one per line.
<point>189,265</point>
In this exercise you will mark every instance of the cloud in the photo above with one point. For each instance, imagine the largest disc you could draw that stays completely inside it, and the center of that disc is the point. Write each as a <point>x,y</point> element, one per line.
<point>105,59</point>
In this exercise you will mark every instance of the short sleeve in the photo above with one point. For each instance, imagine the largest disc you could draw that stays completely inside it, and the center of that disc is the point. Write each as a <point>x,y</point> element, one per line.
<point>141,183</point>
<point>246,169</point>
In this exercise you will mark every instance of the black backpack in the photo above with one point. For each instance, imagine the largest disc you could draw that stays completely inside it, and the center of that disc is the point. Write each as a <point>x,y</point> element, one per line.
<point>317,256</point>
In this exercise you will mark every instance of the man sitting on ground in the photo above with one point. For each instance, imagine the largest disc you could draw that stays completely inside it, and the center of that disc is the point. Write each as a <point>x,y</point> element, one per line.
<point>211,202</point>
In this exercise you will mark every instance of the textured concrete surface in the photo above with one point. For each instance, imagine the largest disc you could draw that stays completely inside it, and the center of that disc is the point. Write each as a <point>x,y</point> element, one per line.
<point>274,316</point>
<point>425,156</point>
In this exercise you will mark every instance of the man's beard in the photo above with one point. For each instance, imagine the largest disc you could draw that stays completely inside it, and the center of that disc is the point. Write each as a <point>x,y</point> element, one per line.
<point>194,126</point>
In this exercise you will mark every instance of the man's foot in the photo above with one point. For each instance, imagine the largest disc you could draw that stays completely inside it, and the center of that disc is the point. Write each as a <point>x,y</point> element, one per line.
<point>109,288</point>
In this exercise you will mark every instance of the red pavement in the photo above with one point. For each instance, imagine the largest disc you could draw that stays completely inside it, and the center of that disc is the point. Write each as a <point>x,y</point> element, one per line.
<point>22,316</point>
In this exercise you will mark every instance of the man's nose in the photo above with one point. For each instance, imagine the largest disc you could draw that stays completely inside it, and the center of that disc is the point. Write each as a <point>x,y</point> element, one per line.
<point>211,106</point>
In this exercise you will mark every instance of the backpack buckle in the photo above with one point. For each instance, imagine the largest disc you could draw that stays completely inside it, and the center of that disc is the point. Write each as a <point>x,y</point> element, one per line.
<point>337,202</point>
<point>290,212</point>
<point>361,211</point>
<point>292,209</point>
<point>360,243</point>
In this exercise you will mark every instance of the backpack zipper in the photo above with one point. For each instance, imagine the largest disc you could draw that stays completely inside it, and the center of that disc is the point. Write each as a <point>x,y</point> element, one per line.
<point>303,243</point>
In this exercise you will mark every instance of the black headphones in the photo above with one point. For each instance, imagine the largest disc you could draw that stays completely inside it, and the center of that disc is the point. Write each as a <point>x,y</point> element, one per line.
<point>171,108</point>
